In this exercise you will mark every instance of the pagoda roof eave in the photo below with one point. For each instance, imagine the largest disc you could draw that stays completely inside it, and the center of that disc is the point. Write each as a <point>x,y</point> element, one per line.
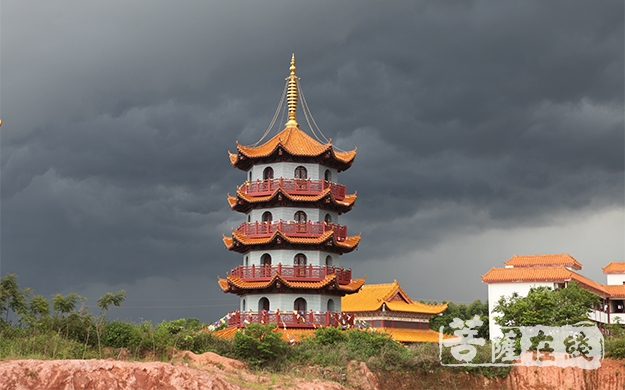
<point>292,141</point>
<point>346,204</point>
<point>330,280</point>
<point>238,239</point>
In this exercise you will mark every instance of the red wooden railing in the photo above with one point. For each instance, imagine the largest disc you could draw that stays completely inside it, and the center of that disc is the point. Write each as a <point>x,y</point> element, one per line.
<point>308,229</point>
<point>307,273</point>
<point>293,186</point>
<point>292,319</point>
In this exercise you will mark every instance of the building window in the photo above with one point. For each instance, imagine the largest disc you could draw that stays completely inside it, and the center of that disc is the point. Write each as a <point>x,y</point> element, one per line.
<point>299,305</point>
<point>327,176</point>
<point>249,218</point>
<point>330,305</point>
<point>265,259</point>
<point>301,173</point>
<point>243,305</point>
<point>263,304</point>
<point>299,259</point>
<point>300,217</point>
<point>328,219</point>
<point>329,260</point>
<point>268,173</point>
<point>247,261</point>
<point>267,217</point>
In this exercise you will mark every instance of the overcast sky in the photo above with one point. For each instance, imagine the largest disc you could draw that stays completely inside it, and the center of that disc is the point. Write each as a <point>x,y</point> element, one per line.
<point>484,129</point>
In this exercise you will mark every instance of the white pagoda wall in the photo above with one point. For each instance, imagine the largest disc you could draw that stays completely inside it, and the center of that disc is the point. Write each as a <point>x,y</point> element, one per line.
<point>286,170</point>
<point>286,301</point>
<point>285,257</point>
<point>288,214</point>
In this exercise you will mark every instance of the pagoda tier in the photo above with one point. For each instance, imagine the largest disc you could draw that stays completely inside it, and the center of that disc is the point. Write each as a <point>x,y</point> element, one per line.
<point>289,192</point>
<point>327,241</point>
<point>280,279</point>
<point>292,144</point>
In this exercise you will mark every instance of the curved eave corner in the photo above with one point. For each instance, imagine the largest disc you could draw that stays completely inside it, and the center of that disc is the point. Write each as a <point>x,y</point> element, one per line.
<point>223,283</point>
<point>353,287</point>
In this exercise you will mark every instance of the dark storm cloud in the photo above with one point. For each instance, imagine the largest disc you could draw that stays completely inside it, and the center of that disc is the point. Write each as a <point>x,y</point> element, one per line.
<point>469,118</point>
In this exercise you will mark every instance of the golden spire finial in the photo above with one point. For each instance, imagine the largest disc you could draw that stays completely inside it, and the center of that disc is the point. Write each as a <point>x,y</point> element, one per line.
<point>292,95</point>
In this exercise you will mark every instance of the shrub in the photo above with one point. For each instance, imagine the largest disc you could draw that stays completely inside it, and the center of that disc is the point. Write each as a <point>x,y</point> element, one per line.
<point>615,347</point>
<point>260,345</point>
<point>118,334</point>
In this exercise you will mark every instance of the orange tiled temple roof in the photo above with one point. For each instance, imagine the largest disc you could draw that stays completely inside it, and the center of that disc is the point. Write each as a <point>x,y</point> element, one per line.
<point>236,281</point>
<point>414,335</point>
<point>544,260</point>
<point>615,290</point>
<point>293,141</point>
<point>349,243</point>
<point>347,202</point>
<point>372,296</point>
<point>614,268</point>
<point>539,274</point>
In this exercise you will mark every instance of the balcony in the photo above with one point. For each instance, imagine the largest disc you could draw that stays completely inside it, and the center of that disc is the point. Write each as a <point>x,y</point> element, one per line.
<point>293,187</point>
<point>294,273</point>
<point>292,229</point>
<point>292,319</point>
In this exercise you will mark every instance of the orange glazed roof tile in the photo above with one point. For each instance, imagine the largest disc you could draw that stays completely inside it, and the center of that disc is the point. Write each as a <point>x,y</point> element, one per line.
<point>614,268</point>
<point>372,296</point>
<point>414,335</point>
<point>236,281</point>
<point>539,274</point>
<point>295,142</point>
<point>350,242</point>
<point>348,201</point>
<point>615,290</point>
<point>544,260</point>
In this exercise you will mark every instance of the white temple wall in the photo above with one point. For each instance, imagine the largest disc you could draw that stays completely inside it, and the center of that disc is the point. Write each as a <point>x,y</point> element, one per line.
<point>288,214</point>
<point>286,301</point>
<point>285,257</point>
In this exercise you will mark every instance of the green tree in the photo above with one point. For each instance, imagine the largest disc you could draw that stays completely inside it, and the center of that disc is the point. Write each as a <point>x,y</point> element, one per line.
<point>544,306</point>
<point>104,303</point>
<point>65,310</point>
<point>463,312</point>
<point>12,298</point>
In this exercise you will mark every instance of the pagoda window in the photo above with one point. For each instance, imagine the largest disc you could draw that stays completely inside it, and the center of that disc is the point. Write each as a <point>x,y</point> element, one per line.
<point>299,305</point>
<point>249,175</point>
<point>247,261</point>
<point>265,259</point>
<point>301,173</point>
<point>267,217</point>
<point>249,218</point>
<point>243,305</point>
<point>268,173</point>
<point>327,176</point>
<point>300,217</point>
<point>263,304</point>
<point>329,260</point>
<point>299,259</point>
<point>328,219</point>
<point>330,305</point>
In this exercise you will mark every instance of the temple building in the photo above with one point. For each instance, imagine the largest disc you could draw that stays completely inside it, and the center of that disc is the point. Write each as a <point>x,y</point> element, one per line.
<point>387,308</point>
<point>555,271</point>
<point>290,240</point>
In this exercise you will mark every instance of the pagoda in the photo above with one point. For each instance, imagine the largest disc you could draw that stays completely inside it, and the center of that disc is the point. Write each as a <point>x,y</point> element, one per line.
<point>291,239</point>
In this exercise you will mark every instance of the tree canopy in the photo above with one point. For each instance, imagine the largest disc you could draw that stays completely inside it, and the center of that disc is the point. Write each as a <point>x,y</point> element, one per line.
<point>544,306</point>
<point>464,312</point>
